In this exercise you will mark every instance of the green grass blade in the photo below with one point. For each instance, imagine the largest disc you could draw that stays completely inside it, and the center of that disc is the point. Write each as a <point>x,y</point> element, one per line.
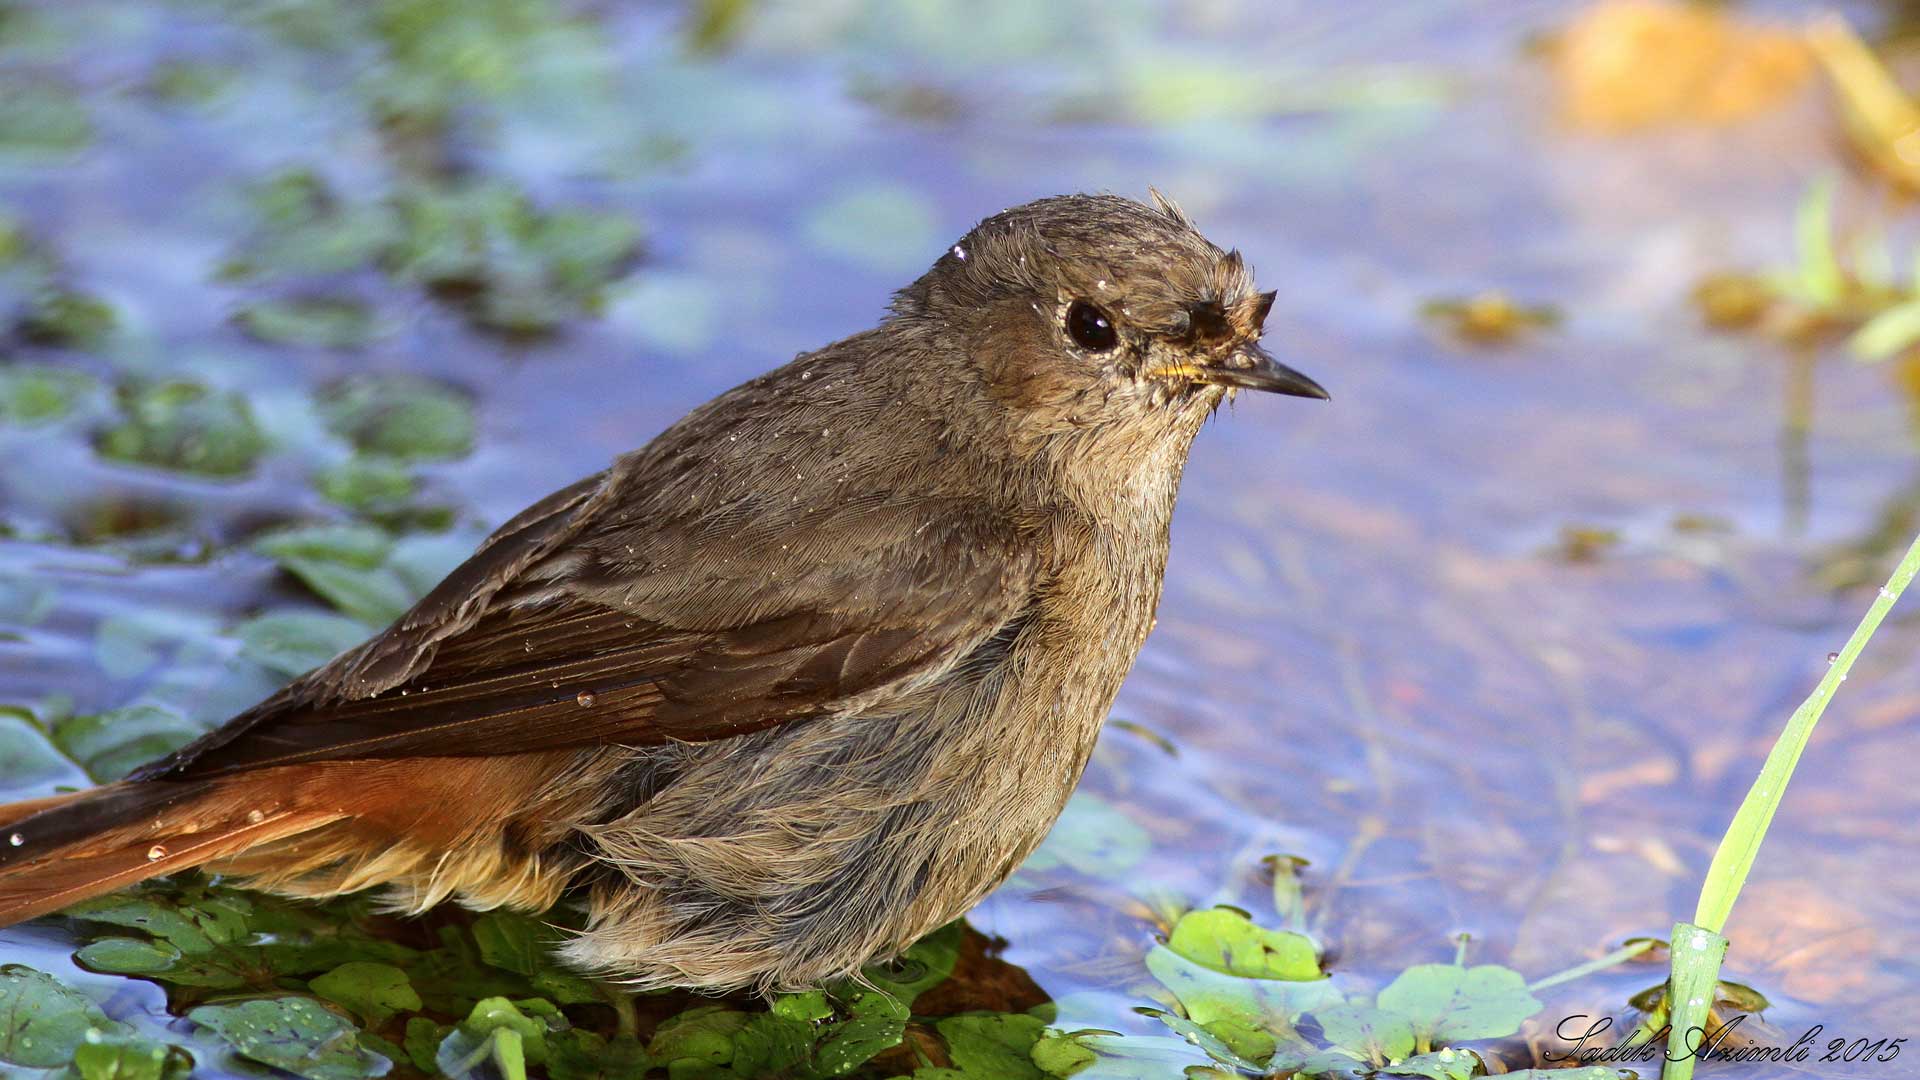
<point>1891,332</point>
<point>1735,856</point>
<point>1821,280</point>
<point>1697,954</point>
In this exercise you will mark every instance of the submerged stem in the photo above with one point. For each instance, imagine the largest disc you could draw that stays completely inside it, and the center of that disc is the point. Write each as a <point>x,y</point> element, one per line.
<point>1618,956</point>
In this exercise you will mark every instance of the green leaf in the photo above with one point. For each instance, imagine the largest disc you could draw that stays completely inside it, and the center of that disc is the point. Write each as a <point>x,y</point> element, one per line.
<point>423,1041</point>
<point>512,942</point>
<point>186,929</point>
<point>111,744</point>
<point>583,250</point>
<point>131,643</point>
<point>294,1034</point>
<point>808,1007</point>
<point>1093,837</point>
<point>373,992</point>
<point>877,1022</point>
<point>185,427</point>
<point>1244,1013</point>
<point>24,601</point>
<point>1226,940</point>
<point>527,270</point>
<point>367,484</point>
<point>204,935</point>
<point>295,642</point>
<point>382,1046</point>
<point>127,1058</point>
<point>131,956</point>
<point>324,322</point>
<point>1245,1040</point>
<point>190,82</point>
<point>496,1028</point>
<point>1446,1003</point>
<point>1204,994</point>
<point>128,645</point>
<point>1378,1034</point>
<point>400,416</point>
<point>42,1020</point>
<point>58,316</point>
<point>451,978</point>
<point>565,987</point>
<point>40,393</point>
<point>449,234</point>
<point>1325,1064</point>
<point>376,597</point>
<point>42,117</point>
<point>1060,1055</point>
<point>703,1035</point>
<point>15,248</point>
<point>304,229</point>
<point>1208,1039</point>
<point>928,963</point>
<point>1446,1064</point>
<point>27,760</point>
<point>585,1055</point>
<point>422,560</point>
<point>523,945</point>
<point>361,546</point>
<point>995,1045</point>
<point>771,1045</point>
<point>1135,1057</point>
<point>678,313</point>
<point>885,227</point>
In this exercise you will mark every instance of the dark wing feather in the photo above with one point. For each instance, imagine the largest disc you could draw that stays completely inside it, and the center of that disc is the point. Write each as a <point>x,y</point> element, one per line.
<point>550,637</point>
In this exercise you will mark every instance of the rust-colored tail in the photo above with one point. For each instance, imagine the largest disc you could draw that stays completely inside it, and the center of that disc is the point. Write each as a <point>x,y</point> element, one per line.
<point>62,850</point>
<point>491,830</point>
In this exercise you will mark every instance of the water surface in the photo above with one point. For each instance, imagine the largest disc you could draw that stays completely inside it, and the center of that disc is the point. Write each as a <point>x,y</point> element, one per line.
<point>1378,651</point>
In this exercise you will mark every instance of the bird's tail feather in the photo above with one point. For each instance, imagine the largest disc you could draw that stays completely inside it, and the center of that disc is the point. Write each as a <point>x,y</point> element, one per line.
<point>59,851</point>
<point>494,831</point>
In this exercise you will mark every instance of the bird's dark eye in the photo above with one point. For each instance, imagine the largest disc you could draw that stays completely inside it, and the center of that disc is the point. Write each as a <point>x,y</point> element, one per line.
<point>1090,327</point>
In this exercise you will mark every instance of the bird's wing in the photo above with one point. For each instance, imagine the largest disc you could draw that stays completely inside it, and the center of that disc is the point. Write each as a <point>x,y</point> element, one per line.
<point>571,626</point>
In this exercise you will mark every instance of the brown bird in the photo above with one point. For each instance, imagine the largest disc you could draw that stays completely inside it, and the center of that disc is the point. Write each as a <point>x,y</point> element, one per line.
<point>792,685</point>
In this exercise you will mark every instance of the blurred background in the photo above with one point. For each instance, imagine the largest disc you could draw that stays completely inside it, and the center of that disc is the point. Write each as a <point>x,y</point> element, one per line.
<point>1616,302</point>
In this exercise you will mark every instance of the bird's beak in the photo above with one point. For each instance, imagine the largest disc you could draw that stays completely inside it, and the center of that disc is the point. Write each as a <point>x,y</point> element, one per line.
<point>1252,369</point>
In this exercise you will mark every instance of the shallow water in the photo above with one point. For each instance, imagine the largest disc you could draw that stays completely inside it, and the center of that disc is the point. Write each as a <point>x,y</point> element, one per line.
<point>1375,651</point>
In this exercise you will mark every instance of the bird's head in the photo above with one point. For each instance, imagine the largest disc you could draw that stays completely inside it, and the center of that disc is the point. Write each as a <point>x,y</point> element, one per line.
<point>1095,312</point>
